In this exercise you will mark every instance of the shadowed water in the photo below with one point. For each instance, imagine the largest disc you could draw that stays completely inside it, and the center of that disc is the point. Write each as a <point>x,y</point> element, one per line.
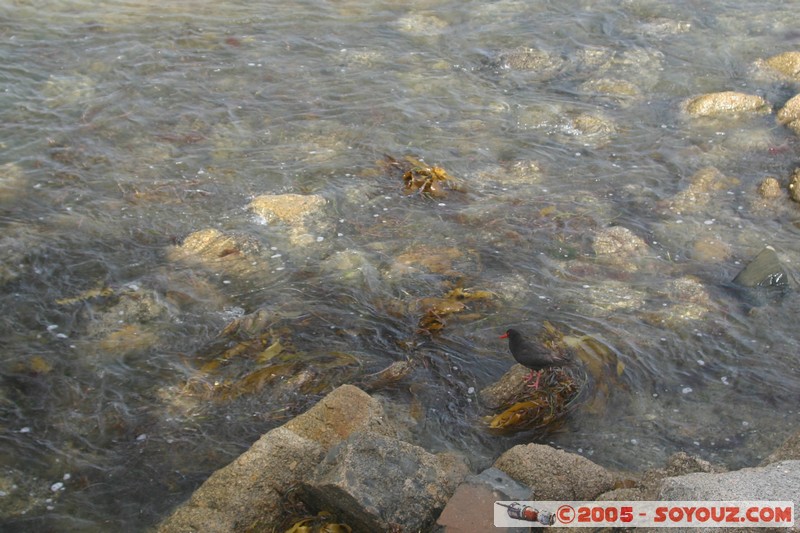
<point>128,126</point>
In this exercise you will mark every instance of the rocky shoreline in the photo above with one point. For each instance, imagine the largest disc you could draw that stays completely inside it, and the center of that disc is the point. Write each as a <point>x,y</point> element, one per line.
<point>347,457</point>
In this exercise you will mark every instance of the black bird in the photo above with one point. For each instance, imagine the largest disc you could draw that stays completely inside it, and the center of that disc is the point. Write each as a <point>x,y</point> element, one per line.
<point>532,355</point>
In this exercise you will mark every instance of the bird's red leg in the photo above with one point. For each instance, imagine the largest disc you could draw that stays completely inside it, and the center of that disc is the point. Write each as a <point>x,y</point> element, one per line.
<point>530,377</point>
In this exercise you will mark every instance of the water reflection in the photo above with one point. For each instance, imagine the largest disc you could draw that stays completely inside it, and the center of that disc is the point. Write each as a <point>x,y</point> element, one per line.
<point>136,136</point>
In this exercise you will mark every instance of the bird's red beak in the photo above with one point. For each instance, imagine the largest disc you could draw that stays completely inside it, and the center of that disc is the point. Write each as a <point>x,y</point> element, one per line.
<point>504,336</point>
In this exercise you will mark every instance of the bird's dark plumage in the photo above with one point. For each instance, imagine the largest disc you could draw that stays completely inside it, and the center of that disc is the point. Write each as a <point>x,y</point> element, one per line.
<point>532,355</point>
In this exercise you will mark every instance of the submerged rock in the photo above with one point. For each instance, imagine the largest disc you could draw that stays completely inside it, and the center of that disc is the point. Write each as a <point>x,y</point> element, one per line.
<point>786,65</point>
<point>702,187</point>
<point>421,24</point>
<point>794,185</point>
<point>789,114</point>
<point>725,103</point>
<point>12,180</point>
<point>619,247</point>
<point>530,60</point>
<point>770,188</point>
<point>711,249</point>
<point>789,450</point>
<point>286,208</point>
<point>763,279</point>
<point>294,210</point>
<point>619,89</point>
<point>763,271</point>
<point>220,252</point>
<point>555,474</point>
<point>618,240</point>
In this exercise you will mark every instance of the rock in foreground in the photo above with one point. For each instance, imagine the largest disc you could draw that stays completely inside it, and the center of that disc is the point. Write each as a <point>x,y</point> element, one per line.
<point>344,456</point>
<point>555,474</point>
<point>381,484</point>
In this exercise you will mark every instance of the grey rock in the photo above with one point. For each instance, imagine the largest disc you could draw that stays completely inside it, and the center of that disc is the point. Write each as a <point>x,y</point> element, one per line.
<point>776,482</point>
<point>763,271</point>
<point>763,279</point>
<point>376,483</point>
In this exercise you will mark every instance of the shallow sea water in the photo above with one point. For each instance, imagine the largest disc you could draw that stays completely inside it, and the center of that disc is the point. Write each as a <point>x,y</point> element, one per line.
<point>127,126</point>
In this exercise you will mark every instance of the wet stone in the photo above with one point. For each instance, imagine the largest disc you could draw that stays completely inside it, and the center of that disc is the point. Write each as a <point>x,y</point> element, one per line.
<point>725,103</point>
<point>530,60</point>
<point>618,240</point>
<point>620,89</point>
<point>711,249</point>
<point>794,185</point>
<point>220,252</point>
<point>11,181</point>
<point>703,185</point>
<point>770,188</point>
<point>286,208</point>
<point>789,115</point>
<point>763,271</point>
<point>787,65</point>
<point>421,24</point>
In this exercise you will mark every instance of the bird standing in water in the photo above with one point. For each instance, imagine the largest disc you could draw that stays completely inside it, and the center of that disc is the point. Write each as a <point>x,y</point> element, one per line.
<point>532,355</point>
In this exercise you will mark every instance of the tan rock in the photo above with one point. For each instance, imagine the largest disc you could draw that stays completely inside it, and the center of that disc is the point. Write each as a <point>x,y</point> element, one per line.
<point>725,103</point>
<point>794,185</point>
<point>612,87</point>
<point>789,115</point>
<point>287,208</point>
<point>220,252</point>
<point>787,64</point>
<point>618,240</point>
<point>702,186</point>
<point>247,494</point>
<point>711,249</point>
<point>770,188</point>
<point>336,416</point>
<point>11,181</point>
<point>555,474</point>
<point>790,110</point>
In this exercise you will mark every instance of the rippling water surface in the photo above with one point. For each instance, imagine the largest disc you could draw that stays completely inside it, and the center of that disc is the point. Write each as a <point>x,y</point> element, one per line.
<point>127,126</point>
